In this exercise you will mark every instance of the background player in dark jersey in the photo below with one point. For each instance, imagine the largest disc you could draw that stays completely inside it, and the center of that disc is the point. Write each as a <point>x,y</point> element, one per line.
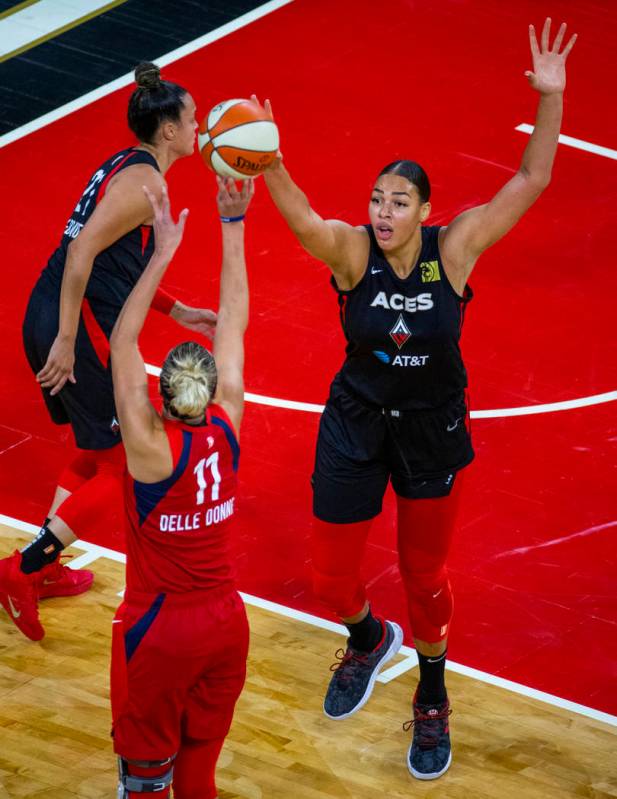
<point>71,312</point>
<point>397,409</point>
<point>180,605</point>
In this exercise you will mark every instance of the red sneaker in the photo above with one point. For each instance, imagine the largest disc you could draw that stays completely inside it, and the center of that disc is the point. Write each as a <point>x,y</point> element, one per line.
<point>56,579</point>
<point>18,596</point>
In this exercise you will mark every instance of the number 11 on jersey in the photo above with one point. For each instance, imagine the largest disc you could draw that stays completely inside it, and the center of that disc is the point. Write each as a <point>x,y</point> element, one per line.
<point>212,463</point>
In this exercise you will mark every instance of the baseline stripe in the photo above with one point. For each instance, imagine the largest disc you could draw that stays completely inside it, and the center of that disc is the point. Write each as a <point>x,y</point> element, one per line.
<point>387,675</point>
<point>579,144</point>
<point>30,27</point>
<point>526,410</point>
<point>126,80</point>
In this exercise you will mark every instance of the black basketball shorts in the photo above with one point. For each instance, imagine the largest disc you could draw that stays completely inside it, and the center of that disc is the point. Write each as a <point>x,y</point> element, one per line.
<point>87,405</point>
<point>361,448</point>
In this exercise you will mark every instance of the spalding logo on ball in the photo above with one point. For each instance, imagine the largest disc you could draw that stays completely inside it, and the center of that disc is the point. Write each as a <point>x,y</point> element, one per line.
<point>238,140</point>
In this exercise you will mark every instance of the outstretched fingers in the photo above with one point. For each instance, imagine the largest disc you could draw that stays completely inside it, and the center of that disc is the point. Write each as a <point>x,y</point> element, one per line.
<point>559,38</point>
<point>267,106</point>
<point>151,199</point>
<point>546,32</point>
<point>182,220</point>
<point>569,46</point>
<point>248,189</point>
<point>165,207</point>
<point>533,42</point>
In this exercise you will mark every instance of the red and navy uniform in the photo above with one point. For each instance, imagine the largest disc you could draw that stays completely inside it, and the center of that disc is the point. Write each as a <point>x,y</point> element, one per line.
<point>89,404</point>
<point>397,408</point>
<point>177,529</point>
<point>180,638</point>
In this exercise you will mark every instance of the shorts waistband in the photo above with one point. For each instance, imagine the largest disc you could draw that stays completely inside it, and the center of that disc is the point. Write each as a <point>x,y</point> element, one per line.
<point>399,412</point>
<point>179,598</point>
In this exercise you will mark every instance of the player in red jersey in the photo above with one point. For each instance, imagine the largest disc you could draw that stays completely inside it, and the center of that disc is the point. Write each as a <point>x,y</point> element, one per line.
<point>180,638</point>
<point>106,244</point>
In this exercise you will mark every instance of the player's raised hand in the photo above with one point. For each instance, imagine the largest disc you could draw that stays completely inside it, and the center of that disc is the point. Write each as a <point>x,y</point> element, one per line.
<point>167,233</point>
<point>267,107</point>
<point>232,202</point>
<point>549,64</point>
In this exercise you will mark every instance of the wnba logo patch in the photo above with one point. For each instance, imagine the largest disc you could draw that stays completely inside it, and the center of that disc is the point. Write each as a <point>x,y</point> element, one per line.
<point>429,271</point>
<point>400,332</point>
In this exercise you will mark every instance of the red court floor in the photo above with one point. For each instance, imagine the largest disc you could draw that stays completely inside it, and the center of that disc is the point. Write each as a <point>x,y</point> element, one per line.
<point>354,85</point>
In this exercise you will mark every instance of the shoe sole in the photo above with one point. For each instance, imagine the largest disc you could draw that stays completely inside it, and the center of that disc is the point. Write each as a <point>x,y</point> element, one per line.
<point>77,589</point>
<point>394,647</point>
<point>433,776</point>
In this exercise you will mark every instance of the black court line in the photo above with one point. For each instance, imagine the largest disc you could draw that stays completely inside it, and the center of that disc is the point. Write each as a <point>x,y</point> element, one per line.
<point>102,49</point>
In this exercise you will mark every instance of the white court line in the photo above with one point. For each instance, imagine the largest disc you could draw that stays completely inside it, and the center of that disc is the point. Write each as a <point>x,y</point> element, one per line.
<point>526,410</point>
<point>324,624</point>
<point>126,80</point>
<point>579,144</point>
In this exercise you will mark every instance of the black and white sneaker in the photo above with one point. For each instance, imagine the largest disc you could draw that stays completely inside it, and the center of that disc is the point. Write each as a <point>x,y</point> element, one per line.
<point>355,674</point>
<point>429,755</point>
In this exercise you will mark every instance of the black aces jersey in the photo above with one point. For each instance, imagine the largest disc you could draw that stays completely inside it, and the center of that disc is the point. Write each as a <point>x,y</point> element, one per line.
<point>117,269</point>
<point>403,334</point>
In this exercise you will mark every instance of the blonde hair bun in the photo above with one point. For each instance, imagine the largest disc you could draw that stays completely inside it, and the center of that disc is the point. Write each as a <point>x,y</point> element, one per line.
<point>188,380</point>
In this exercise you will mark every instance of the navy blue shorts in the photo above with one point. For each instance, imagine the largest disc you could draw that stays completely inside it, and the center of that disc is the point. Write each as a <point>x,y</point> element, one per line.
<point>361,448</point>
<point>87,405</point>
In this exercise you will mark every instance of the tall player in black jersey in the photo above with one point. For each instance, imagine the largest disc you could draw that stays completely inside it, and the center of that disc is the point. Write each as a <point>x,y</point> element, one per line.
<point>397,409</point>
<point>106,245</point>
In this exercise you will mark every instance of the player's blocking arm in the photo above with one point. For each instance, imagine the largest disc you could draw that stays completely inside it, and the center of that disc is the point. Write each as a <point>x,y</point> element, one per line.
<point>336,243</point>
<point>233,310</point>
<point>140,425</point>
<point>475,230</point>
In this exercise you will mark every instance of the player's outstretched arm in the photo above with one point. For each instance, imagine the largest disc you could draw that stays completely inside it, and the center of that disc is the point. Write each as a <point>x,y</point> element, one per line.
<point>233,312</point>
<point>147,448</point>
<point>475,230</point>
<point>339,245</point>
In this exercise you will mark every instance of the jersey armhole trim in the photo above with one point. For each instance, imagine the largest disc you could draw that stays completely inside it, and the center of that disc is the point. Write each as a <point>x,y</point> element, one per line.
<point>345,292</point>
<point>219,411</point>
<point>467,291</point>
<point>148,495</point>
<point>223,422</point>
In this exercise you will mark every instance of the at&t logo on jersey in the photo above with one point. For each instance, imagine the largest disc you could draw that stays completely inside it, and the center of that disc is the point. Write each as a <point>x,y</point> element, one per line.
<point>399,302</point>
<point>401,360</point>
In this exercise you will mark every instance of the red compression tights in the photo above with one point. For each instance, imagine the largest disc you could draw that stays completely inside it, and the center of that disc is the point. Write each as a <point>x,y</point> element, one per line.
<point>94,479</point>
<point>425,528</point>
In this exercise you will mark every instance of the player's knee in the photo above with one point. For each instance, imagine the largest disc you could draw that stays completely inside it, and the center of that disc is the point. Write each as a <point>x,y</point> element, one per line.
<point>342,595</point>
<point>136,777</point>
<point>81,469</point>
<point>430,603</point>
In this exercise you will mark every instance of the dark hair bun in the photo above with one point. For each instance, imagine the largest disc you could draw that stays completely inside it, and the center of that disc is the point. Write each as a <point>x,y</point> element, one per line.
<point>147,75</point>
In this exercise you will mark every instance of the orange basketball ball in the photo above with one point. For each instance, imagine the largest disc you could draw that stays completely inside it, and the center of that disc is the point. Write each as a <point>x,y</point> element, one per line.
<point>238,140</point>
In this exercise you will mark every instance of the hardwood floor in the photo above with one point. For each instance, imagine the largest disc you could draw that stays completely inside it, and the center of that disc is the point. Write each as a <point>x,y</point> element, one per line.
<point>54,720</point>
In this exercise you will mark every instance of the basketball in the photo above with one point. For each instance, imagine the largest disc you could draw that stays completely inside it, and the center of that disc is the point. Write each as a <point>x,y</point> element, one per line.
<point>238,140</point>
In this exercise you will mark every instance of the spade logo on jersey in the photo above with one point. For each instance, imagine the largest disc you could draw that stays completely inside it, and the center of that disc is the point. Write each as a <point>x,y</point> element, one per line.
<point>400,332</point>
<point>429,271</point>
